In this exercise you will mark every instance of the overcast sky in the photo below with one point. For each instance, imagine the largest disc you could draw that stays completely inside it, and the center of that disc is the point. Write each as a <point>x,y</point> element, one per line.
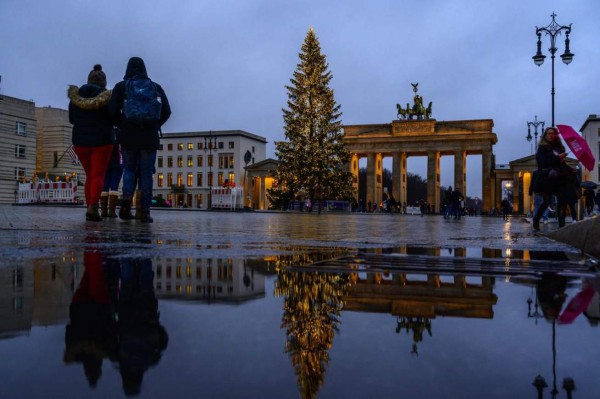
<point>224,64</point>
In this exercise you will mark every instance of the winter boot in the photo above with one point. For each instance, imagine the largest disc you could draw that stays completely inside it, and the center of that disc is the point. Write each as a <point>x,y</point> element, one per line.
<point>145,216</point>
<point>104,204</point>
<point>138,204</point>
<point>112,204</point>
<point>536,223</point>
<point>92,214</point>
<point>125,211</point>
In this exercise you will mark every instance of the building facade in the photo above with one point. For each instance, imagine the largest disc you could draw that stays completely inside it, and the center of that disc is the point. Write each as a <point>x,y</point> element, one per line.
<point>591,133</point>
<point>18,144</point>
<point>53,141</point>
<point>189,164</point>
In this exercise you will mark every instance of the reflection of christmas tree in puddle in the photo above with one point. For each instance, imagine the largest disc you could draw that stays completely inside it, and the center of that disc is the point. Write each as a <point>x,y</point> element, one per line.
<point>416,325</point>
<point>312,305</point>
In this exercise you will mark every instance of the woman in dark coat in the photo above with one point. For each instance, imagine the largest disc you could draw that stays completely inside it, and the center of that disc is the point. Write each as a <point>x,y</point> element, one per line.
<point>550,159</point>
<point>92,134</point>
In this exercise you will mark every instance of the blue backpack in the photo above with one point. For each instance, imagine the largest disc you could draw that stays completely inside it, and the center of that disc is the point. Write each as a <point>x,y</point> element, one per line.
<point>142,104</point>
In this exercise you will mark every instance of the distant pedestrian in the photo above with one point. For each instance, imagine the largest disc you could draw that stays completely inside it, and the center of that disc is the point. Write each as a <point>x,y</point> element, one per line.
<point>505,204</point>
<point>139,134</point>
<point>448,203</point>
<point>92,135</point>
<point>457,197</point>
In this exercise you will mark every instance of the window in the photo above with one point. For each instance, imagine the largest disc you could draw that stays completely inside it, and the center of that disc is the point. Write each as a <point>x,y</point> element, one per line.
<point>221,145</point>
<point>231,145</point>
<point>170,147</point>
<point>179,179</point>
<point>159,183</point>
<point>190,161</point>
<point>199,180</point>
<point>160,147</point>
<point>210,160</point>
<point>190,146</point>
<point>19,173</point>
<point>169,179</point>
<point>190,179</point>
<point>179,146</point>
<point>200,146</point>
<point>226,161</point>
<point>253,149</point>
<point>19,151</point>
<point>199,160</point>
<point>180,161</point>
<point>199,200</point>
<point>21,128</point>
<point>159,162</point>
<point>231,177</point>
<point>169,162</point>
<point>220,179</point>
<point>210,179</point>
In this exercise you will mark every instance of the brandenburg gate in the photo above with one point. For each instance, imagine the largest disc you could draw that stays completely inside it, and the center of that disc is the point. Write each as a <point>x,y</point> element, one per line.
<point>421,136</point>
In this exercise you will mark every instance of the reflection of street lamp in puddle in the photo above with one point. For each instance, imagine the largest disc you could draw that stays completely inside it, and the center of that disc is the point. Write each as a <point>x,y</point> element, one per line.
<point>539,381</point>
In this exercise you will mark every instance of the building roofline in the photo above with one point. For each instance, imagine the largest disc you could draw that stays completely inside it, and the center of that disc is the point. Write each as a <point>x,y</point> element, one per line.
<point>591,118</point>
<point>215,133</point>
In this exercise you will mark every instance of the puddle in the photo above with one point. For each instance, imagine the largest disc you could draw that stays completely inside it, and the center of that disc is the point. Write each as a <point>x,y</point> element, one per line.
<point>303,321</point>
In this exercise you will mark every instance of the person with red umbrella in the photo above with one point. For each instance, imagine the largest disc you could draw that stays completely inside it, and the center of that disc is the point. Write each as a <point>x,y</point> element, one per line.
<point>554,176</point>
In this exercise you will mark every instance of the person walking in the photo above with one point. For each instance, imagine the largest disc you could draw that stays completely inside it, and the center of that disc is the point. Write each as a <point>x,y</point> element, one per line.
<point>138,107</point>
<point>92,134</point>
<point>550,157</point>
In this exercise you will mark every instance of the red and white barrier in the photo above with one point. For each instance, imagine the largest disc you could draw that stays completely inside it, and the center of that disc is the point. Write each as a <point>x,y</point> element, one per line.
<point>48,192</point>
<point>227,198</point>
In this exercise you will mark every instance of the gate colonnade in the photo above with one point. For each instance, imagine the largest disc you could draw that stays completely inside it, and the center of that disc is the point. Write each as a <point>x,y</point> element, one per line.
<point>401,139</point>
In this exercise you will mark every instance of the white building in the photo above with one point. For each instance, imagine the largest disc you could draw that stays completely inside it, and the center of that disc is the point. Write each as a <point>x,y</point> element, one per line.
<point>188,164</point>
<point>591,133</point>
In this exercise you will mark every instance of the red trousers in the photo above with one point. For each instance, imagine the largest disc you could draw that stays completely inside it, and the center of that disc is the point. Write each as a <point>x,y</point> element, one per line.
<point>94,161</point>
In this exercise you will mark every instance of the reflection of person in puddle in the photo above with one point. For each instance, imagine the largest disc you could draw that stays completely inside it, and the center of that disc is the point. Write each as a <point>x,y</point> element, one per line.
<point>114,314</point>
<point>551,295</point>
<point>91,335</point>
<point>141,338</point>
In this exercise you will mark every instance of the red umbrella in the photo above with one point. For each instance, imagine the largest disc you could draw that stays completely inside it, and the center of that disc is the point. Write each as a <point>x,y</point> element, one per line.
<point>578,146</point>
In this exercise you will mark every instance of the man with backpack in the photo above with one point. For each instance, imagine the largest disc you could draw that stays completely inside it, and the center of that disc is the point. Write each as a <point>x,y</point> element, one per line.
<point>138,107</point>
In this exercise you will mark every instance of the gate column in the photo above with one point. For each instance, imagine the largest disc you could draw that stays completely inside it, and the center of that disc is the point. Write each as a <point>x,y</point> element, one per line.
<point>433,180</point>
<point>486,179</point>
<point>460,167</point>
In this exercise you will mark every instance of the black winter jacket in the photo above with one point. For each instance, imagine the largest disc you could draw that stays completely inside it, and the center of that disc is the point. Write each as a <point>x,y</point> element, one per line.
<point>88,113</point>
<point>547,156</point>
<point>131,136</point>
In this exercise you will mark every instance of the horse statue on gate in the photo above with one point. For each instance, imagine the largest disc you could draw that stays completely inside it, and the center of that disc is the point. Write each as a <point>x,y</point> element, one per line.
<point>417,110</point>
<point>404,113</point>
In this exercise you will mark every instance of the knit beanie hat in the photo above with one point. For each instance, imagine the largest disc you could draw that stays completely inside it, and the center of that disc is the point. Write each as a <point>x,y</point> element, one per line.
<point>97,77</point>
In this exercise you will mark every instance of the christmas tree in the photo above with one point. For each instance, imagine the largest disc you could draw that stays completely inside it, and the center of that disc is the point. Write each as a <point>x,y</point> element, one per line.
<point>313,159</point>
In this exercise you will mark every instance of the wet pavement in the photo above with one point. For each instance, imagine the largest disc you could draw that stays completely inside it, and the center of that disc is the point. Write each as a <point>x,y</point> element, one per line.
<point>277,305</point>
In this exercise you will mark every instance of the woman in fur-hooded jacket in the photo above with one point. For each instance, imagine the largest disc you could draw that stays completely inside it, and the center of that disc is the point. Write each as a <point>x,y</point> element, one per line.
<point>92,134</point>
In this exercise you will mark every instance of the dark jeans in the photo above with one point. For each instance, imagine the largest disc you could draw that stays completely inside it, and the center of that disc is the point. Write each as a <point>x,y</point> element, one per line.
<point>112,178</point>
<point>142,161</point>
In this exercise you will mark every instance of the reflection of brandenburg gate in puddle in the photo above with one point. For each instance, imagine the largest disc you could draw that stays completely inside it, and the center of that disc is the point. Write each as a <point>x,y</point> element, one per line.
<point>415,299</point>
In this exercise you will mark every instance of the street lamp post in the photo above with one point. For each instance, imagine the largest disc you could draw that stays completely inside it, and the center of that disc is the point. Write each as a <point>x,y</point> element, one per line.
<point>553,30</point>
<point>210,143</point>
<point>535,125</point>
